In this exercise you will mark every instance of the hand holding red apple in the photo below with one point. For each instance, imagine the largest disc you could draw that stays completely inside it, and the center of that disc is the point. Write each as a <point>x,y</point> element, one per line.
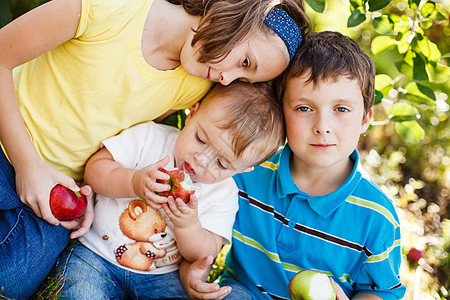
<point>66,205</point>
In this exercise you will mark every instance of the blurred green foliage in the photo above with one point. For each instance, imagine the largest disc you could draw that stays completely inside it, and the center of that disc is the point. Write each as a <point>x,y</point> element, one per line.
<point>11,9</point>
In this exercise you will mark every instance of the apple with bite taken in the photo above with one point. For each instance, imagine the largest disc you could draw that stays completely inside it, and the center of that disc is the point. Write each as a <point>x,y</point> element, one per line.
<point>180,182</point>
<point>311,285</point>
<point>66,205</point>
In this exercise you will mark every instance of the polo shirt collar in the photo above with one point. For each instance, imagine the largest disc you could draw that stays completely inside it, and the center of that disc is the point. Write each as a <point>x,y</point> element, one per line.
<point>322,205</point>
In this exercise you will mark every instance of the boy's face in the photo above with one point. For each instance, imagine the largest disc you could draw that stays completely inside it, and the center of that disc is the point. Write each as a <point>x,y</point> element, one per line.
<point>204,151</point>
<point>324,122</point>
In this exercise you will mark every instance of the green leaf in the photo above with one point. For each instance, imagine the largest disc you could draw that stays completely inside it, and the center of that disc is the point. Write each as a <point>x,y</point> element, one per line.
<point>383,83</point>
<point>317,5</point>
<point>420,90</point>
<point>355,18</point>
<point>5,13</point>
<point>435,54</point>
<point>425,46</point>
<point>408,58</point>
<point>378,97</point>
<point>440,16</point>
<point>438,73</point>
<point>419,93</point>
<point>356,3</point>
<point>427,9</point>
<point>404,43</point>
<point>406,66</point>
<point>403,111</point>
<point>382,43</point>
<point>419,70</point>
<point>414,4</point>
<point>410,131</point>
<point>378,4</point>
<point>425,23</point>
<point>414,44</point>
<point>383,25</point>
<point>401,26</point>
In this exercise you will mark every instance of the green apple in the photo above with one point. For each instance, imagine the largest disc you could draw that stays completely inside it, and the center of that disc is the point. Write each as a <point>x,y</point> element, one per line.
<point>311,285</point>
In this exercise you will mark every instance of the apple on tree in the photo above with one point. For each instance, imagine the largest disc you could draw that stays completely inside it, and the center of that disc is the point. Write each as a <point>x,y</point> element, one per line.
<point>414,255</point>
<point>65,204</point>
<point>181,185</point>
<point>311,285</point>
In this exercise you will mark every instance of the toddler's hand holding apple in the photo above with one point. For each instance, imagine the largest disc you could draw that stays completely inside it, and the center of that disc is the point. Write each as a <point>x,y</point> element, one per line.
<point>145,185</point>
<point>182,215</point>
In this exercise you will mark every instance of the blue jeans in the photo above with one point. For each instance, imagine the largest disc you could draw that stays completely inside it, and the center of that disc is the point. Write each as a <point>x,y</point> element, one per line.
<point>86,275</point>
<point>238,292</point>
<point>29,246</point>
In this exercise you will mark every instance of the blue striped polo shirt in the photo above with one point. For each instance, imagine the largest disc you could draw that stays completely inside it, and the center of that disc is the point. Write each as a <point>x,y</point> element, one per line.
<point>352,234</point>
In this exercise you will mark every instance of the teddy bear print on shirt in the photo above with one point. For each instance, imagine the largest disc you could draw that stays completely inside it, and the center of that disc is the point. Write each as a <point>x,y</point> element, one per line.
<point>154,245</point>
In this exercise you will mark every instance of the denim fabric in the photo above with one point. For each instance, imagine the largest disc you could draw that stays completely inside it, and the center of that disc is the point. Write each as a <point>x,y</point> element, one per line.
<point>86,275</point>
<point>238,292</point>
<point>29,246</point>
<point>9,199</point>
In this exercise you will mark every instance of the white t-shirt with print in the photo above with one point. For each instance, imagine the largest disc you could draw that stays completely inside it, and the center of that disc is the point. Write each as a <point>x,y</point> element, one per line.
<point>134,236</point>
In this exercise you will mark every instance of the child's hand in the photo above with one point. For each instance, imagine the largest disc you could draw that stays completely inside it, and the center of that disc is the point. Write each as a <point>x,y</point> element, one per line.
<point>182,215</point>
<point>340,295</point>
<point>193,277</point>
<point>85,221</point>
<point>34,184</point>
<point>145,185</point>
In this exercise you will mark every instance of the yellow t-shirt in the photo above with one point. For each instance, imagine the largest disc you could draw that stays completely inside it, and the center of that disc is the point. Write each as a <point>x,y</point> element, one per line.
<point>97,84</point>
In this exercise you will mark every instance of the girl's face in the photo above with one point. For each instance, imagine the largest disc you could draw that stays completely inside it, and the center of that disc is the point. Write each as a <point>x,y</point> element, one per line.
<point>260,57</point>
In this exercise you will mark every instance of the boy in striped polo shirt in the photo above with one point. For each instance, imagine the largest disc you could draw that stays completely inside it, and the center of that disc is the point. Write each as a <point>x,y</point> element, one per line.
<point>312,206</point>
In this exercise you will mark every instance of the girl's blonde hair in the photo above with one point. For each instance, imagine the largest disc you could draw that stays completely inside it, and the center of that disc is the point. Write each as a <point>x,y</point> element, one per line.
<point>225,23</point>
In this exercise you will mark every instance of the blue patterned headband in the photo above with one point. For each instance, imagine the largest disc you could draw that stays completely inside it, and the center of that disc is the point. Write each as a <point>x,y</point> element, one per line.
<point>285,27</point>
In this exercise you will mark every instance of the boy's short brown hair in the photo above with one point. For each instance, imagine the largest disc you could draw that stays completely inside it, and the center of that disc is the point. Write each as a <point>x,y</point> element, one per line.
<point>252,115</point>
<point>330,55</point>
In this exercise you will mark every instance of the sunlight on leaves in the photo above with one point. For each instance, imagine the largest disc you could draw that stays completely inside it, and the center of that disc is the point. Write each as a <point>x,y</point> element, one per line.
<point>382,43</point>
<point>402,112</point>
<point>410,131</point>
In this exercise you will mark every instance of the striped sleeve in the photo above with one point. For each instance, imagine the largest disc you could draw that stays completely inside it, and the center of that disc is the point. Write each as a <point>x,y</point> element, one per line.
<point>380,272</point>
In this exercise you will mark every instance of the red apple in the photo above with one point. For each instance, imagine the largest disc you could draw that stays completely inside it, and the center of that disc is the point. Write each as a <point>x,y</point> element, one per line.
<point>414,255</point>
<point>181,185</point>
<point>66,205</point>
<point>311,285</point>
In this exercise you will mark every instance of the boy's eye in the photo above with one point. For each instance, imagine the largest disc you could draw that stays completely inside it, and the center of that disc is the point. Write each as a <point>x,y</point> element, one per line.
<point>246,63</point>
<point>342,109</point>
<point>221,165</point>
<point>197,137</point>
